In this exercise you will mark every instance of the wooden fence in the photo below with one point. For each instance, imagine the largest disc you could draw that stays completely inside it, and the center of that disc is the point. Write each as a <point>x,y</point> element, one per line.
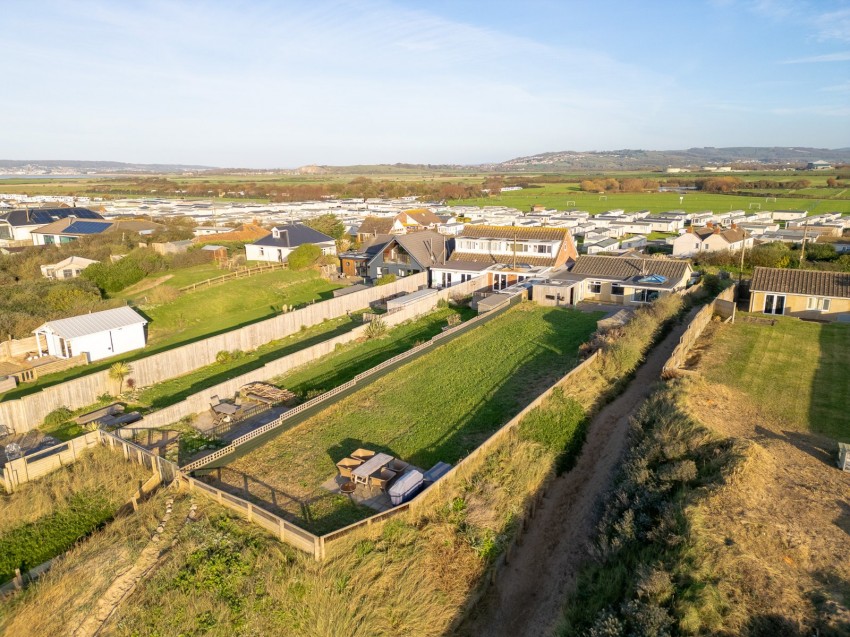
<point>28,412</point>
<point>31,467</point>
<point>327,396</point>
<point>15,348</point>
<point>236,274</point>
<point>695,328</point>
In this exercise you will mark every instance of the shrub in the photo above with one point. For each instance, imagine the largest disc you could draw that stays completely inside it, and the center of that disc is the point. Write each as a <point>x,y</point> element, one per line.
<point>223,357</point>
<point>387,278</point>
<point>304,256</point>
<point>58,417</point>
<point>377,328</point>
<point>711,284</point>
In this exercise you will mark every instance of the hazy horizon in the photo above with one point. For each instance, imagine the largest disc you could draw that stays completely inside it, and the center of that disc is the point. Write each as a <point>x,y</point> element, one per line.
<point>270,85</point>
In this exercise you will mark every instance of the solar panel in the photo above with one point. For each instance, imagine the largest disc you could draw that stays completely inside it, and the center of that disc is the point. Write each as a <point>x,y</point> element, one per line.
<point>87,227</point>
<point>48,215</point>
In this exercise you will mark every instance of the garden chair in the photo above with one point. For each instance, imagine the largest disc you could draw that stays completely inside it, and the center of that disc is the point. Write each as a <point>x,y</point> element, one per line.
<point>362,454</point>
<point>381,479</point>
<point>346,465</point>
<point>399,466</point>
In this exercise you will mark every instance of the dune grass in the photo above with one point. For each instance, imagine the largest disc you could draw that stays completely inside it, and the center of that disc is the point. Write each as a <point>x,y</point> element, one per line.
<point>45,517</point>
<point>796,370</point>
<point>223,576</point>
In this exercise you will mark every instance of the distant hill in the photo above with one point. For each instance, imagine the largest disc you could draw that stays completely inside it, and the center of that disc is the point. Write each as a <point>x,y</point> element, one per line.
<point>629,159</point>
<point>71,166</point>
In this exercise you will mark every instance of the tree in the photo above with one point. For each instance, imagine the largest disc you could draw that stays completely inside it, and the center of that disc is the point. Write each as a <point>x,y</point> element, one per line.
<point>328,224</point>
<point>304,256</point>
<point>119,371</point>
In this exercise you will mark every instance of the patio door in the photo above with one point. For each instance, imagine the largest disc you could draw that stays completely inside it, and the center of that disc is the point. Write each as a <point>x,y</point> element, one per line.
<point>774,304</point>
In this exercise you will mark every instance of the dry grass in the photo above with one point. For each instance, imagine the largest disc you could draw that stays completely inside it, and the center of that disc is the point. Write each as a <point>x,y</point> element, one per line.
<point>779,531</point>
<point>99,471</point>
<point>410,576</point>
<point>59,602</point>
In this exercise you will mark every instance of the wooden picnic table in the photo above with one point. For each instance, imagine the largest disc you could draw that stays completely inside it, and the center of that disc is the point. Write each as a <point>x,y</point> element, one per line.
<point>372,465</point>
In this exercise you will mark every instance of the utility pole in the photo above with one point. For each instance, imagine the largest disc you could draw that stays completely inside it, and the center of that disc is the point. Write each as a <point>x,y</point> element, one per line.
<point>514,250</point>
<point>803,246</point>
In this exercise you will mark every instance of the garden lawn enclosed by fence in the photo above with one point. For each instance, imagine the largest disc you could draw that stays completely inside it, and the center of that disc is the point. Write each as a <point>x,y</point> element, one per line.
<point>795,370</point>
<point>438,408</point>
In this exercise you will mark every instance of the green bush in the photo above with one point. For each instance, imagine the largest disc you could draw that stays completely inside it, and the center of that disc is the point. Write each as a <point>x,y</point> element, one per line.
<point>387,278</point>
<point>304,256</point>
<point>377,328</point>
<point>711,284</point>
<point>58,417</point>
<point>113,277</point>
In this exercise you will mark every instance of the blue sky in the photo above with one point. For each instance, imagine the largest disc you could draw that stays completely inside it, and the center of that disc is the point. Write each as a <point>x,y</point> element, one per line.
<point>277,84</point>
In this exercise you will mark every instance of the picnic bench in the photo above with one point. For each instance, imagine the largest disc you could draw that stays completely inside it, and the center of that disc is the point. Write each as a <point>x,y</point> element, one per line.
<point>373,465</point>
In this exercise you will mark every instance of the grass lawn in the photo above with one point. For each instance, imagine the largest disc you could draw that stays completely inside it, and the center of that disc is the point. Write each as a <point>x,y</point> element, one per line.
<point>561,196</point>
<point>352,359</point>
<point>203,313</point>
<point>439,407</point>
<point>798,371</point>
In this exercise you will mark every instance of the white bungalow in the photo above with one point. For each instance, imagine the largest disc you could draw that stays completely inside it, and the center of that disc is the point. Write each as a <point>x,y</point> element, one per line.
<point>99,334</point>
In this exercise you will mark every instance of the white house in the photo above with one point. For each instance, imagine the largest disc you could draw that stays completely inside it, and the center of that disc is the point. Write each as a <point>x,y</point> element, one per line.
<point>286,238</point>
<point>712,238</point>
<point>99,334</point>
<point>69,268</point>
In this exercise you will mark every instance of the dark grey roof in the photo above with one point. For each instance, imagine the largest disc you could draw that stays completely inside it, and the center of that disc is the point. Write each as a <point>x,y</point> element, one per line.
<point>426,247</point>
<point>630,269</point>
<point>805,282</point>
<point>293,235</point>
<point>43,216</point>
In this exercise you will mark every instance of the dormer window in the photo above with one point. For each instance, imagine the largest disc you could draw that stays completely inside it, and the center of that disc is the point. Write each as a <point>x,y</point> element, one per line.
<point>276,233</point>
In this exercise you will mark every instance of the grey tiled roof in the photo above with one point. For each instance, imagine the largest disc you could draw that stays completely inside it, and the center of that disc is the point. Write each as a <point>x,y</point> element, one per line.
<point>805,282</point>
<point>624,268</point>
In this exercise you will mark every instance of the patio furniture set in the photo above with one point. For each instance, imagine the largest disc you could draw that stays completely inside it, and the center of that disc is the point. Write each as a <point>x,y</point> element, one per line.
<point>397,478</point>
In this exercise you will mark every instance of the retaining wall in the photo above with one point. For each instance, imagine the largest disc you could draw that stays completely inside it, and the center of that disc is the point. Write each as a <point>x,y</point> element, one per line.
<point>720,305</point>
<point>200,401</point>
<point>26,413</point>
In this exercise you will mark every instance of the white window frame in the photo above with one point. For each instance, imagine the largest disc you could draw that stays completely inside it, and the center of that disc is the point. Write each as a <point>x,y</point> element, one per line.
<point>591,284</point>
<point>818,303</point>
<point>773,311</point>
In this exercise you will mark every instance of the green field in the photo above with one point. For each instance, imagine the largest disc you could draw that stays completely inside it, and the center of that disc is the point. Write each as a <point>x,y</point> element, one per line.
<point>797,371</point>
<point>331,370</point>
<point>437,408</point>
<point>562,196</point>
<point>206,312</point>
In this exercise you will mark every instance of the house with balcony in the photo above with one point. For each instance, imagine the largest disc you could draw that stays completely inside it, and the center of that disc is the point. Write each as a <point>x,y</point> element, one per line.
<point>407,254</point>
<point>507,254</point>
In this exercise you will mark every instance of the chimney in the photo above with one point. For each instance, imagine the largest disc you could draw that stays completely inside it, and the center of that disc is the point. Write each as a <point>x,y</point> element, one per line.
<point>690,229</point>
<point>708,224</point>
<point>734,226</point>
<point>717,230</point>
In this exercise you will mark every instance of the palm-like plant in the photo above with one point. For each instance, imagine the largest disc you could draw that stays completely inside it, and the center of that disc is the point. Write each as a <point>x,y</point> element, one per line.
<point>119,371</point>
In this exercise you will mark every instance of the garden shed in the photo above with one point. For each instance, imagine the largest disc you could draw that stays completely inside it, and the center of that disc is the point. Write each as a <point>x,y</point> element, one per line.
<point>99,334</point>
